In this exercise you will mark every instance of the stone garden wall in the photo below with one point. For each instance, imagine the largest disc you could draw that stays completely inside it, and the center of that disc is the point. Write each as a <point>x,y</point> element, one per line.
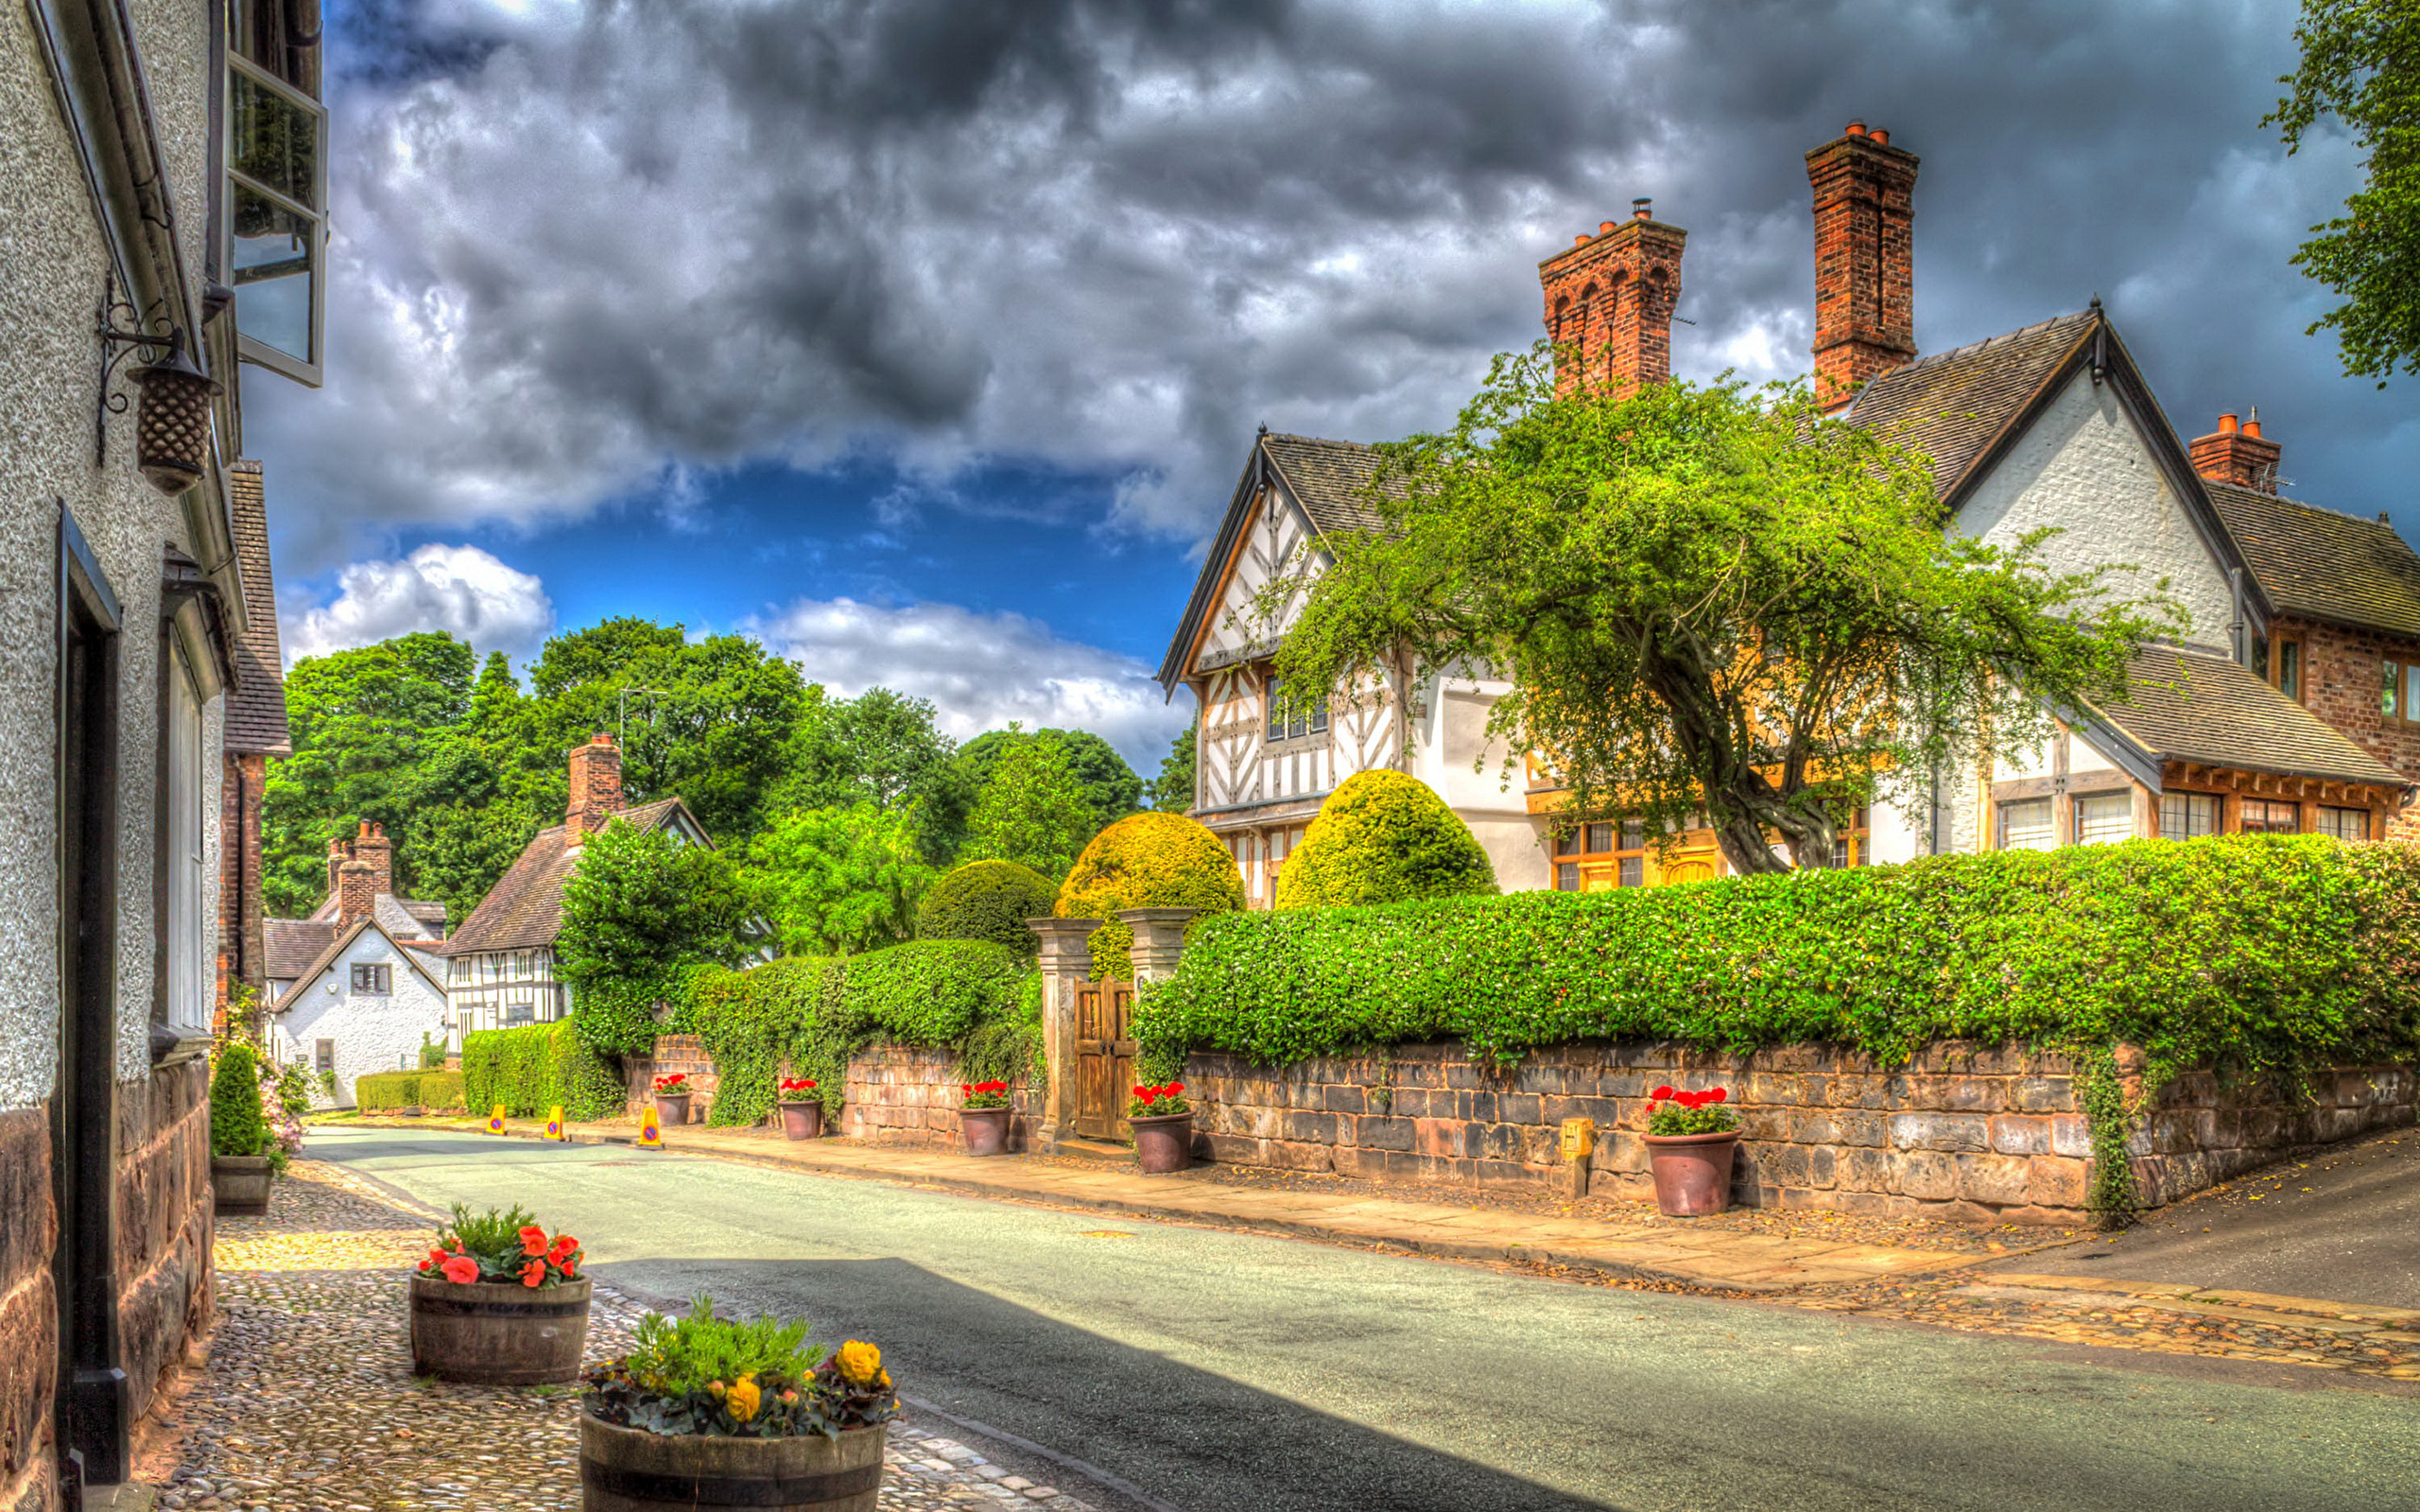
<point>898,1095</point>
<point>1963,1131</point>
<point>672,1052</point>
<point>165,1285</point>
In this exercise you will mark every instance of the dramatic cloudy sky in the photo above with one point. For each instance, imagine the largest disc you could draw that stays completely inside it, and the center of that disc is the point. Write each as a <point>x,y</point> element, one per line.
<point>923,338</point>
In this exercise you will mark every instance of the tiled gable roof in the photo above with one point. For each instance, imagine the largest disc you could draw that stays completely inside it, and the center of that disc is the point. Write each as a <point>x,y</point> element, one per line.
<point>1330,479</point>
<point>2190,708</point>
<point>256,707</point>
<point>343,941</point>
<point>1952,405</point>
<point>288,945</point>
<point>2321,564</point>
<point>524,909</point>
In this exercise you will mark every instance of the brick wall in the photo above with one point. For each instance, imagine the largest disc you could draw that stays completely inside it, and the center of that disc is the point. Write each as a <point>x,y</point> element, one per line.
<point>2342,683</point>
<point>672,1052</point>
<point>239,881</point>
<point>897,1096</point>
<point>165,1285</point>
<point>1965,1131</point>
<point>28,1309</point>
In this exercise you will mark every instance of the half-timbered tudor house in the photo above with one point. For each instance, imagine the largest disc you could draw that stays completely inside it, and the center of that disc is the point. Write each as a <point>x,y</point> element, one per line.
<point>2289,703</point>
<point>500,965</point>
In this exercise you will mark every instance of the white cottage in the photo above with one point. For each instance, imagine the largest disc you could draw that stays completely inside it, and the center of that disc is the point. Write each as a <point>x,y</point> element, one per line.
<point>354,990</point>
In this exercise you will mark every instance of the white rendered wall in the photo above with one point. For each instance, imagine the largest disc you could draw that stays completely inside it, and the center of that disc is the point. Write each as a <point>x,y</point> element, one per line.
<point>2087,470</point>
<point>373,1032</point>
<point>56,266</point>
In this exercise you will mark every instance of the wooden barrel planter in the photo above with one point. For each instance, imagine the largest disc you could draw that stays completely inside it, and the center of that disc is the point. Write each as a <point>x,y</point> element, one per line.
<point>499,1333</point>
<point>630,1469</point>
<point>239,1184</point>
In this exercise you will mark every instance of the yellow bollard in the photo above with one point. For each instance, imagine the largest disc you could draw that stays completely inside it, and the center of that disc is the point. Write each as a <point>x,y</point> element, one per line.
<point>650,1130</point>
<point>555,1124</point>
<point>495,1120</point>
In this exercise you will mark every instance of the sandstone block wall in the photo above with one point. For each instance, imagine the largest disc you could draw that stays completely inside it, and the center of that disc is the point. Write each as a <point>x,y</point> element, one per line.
<point>1974,1133</point>
<point>673,1051</point>
<point>165,1287</point>
<point>28,1309</point>
<point>898,1095</point>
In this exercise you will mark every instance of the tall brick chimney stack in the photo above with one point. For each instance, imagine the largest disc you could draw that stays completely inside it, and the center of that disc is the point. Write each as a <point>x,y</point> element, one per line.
<point>340,852</point>
<point>2238,454</point>
<point>1865,274</point>
<point>372,845</point>
<point>356,892</point>
<point>1609,302</point>
<point>596,787</point>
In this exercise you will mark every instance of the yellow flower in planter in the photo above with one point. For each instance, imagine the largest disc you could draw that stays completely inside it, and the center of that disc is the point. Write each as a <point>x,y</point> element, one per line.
<point>860,1361</point>
<point>743,1399</point>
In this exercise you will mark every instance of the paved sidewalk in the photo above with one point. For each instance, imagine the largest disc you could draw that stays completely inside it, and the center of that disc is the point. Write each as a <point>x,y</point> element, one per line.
<point>308,1405</point>
<point>1707,1258</point>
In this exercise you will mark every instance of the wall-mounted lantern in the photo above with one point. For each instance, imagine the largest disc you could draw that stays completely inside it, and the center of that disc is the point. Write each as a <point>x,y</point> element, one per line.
<point>172,425</point>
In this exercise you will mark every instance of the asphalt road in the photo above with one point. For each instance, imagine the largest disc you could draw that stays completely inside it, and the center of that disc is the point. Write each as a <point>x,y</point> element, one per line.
<point>2342,1225</point>
<point>1219,1370</point>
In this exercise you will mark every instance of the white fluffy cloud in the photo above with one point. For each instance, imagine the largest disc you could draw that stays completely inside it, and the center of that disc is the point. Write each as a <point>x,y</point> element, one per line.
<point>979,670</point>
<point>460,590</point>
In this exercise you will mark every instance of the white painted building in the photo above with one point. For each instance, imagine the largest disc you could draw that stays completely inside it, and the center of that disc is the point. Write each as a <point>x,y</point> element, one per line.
<point>366,1006</point>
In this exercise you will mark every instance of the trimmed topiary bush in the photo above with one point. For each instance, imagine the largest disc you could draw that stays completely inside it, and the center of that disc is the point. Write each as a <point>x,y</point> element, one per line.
<point>1147,861</point>
<point>987,900</point>
<point>1384,838</point>
<point>237,1126</point>
<point>531,1069</point>
<point>387,1090</point>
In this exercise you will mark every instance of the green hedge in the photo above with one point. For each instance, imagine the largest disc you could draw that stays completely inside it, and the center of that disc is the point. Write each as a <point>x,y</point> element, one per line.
<point>978,999</point>
<point>531,1069</point>
<point>2261,951</point>
<point>386,1089</point>
<point>439,1089</point>
<point>988,901</point>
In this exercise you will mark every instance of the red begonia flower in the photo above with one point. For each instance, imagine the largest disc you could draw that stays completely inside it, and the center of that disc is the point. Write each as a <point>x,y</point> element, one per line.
<point>1717,1095</point>
<point>1661,1092</point>
<point>533,1272</point>
<point>462,1270</point>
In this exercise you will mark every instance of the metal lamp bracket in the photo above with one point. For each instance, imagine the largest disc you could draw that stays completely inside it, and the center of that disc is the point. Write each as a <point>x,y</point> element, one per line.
<point>122,329</point>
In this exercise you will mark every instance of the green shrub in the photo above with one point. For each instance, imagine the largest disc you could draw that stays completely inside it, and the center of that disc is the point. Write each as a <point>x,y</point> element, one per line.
<point>1147,861</point>
<point>386,1089</point>
<point>237,1126</point>
<point>637,912</point>
<point>987,900</point>
<point>980,1000</point>
<point>2264,952</point>
<point>533,1068</point>
<point>1384,838</point>
<point>439,1089</point>
<point>432,1054</point>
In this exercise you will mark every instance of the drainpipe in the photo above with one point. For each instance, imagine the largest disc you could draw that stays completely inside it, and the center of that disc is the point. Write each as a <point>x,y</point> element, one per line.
<point>2235,631</point>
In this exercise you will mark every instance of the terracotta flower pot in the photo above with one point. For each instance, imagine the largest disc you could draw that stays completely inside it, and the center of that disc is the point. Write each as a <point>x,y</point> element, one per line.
<point>239,1183</point>
<point>984,1129</point>
<point>631,1469</point>
<point>803,1121</point>
<point>672,1109</point>
<point>1692,1171</point>
<point>498,1333</point>
<point>1163,1145</point>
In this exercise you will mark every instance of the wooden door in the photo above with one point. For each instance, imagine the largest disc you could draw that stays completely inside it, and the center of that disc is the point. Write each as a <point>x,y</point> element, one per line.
<point>1104,1059</point>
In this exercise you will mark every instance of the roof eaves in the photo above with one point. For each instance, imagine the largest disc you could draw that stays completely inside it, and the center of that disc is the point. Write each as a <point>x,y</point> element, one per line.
<point>1214,571</point>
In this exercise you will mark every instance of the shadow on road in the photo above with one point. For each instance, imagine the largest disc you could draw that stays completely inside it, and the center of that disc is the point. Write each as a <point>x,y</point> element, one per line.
<point>1196,1439</point>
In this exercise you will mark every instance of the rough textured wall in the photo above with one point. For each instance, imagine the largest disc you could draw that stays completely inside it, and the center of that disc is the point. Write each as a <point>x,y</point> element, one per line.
<point>1991,1134</point>
<point>28,1309</point>
<point>673,1051</point>
<point>2342,683</point>
<point>899,1096</point>
<point>373,1032</point>
<point>2084,469</point>
<point>165,1286</point>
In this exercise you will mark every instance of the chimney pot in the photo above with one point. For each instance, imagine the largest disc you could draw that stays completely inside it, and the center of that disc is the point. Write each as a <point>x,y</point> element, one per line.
<point>1582,239</point>
<point>2252,426</point>
<point>1881,137</point>
<point>1642,209</point>
<point>2238,454</point>
<point>1855,128</point>
<point>1604,227</point>
<point>2227,426</point>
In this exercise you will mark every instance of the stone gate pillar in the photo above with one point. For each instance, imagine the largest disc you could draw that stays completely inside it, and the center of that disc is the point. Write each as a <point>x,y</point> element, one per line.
<point>1159,940</point>
<point>1067,961</point>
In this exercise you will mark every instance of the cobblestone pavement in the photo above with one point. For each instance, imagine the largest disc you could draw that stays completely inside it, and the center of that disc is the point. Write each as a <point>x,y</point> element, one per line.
<point>308,1402</point>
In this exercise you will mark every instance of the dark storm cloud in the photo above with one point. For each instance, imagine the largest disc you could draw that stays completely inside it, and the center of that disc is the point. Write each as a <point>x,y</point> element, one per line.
<point>620,241</point>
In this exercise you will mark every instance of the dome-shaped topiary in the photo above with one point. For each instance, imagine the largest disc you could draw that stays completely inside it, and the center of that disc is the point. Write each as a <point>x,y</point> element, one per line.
<point>1147,861</point>
<point>988,901</point>
<point>1383,838</point>
<point>237,1126</point>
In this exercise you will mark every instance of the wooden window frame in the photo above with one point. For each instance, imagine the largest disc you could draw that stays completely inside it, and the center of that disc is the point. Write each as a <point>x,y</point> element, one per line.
<point>1313,723</point>
<point>1999,821</point>
<point>1624,859</point>
<point>2405,671</point>
<point>2217,816</point>
<point>2243,821</point>
<point>2075,813</point>
<point>2320,811</point>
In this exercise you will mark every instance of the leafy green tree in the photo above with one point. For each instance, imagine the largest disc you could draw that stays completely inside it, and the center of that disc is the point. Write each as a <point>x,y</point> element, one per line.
<point>1705,598</point>
<point>838,882</point>
<point>1109,786</point>
<point>639,910</point>
<point>880,747</point>
<point>2360,64</point>
<point>1033,808</point>
<point>1171,792</point>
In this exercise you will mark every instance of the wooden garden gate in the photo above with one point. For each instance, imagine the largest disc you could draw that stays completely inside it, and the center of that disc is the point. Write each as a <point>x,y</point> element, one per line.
<point>1104,1059</point>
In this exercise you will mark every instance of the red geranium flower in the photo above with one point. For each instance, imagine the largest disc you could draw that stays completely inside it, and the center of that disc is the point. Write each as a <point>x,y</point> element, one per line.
<point>566,1244</point>
<point>1661,1092</point>
<point>462,1270</point>
<point>1176,1088</point>
<point>564,1264</point>
<point>533,1239</point>
<point>533,1272</point>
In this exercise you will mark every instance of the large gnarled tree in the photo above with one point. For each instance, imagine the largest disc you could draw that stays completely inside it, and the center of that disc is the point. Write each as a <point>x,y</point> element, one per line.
<point>1707,600</point>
